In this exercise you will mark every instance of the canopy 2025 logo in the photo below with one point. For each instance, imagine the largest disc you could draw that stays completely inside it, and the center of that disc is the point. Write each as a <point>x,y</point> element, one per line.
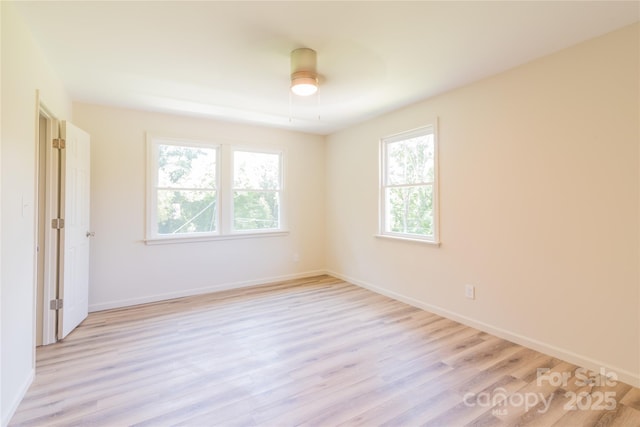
<point>583,400</point>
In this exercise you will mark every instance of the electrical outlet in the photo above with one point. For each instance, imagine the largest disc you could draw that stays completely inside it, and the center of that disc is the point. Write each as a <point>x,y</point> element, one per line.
<point>470,291</point>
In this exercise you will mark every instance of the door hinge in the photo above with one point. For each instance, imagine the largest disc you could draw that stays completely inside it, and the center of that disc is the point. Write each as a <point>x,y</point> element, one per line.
<point>59,143</point>
<point>56,304</point>
<point>57,223</point>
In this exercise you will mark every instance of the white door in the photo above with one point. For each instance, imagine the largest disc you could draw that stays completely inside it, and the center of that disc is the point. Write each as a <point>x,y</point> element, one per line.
<point>75,234</point>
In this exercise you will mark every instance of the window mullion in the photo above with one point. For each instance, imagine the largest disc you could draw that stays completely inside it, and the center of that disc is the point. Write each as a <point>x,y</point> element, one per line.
<point>226,194</point>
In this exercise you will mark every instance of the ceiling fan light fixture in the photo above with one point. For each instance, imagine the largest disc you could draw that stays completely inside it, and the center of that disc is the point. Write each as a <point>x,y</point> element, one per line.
<point>304,78</point>
<point>304,83</point>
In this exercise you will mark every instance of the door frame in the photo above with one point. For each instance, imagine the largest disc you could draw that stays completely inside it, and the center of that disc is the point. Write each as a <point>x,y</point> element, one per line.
<point>46,211</point>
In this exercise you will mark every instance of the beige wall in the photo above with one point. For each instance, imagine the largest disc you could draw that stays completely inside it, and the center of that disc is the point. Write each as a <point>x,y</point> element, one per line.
<point>125,271</point>
<point>24,70</point>
<point>539,184</point>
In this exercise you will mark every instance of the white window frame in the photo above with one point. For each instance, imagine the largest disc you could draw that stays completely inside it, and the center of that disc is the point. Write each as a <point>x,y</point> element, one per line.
<point>246,149</point>
<point>152,187</point>
<point>224,188</point>
<point>430,128</point>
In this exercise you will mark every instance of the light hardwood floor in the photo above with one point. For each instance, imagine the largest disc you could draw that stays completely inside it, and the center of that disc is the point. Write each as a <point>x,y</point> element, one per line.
<point>315,351</point>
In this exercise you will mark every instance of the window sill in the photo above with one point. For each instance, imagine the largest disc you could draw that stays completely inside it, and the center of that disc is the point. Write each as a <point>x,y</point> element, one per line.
<point>408,239</point>
<point>213,238</point>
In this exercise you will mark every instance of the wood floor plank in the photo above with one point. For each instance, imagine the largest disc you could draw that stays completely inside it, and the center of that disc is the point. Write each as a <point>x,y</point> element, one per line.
<point>314,352</point>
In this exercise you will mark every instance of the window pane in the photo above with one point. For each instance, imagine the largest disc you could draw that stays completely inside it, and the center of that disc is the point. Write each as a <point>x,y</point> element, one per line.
<point>410,210</point>
<point>255,210</point>
<point>410,161</point>
<point>186,167</point>
<point>256,171</point>
<point>185,211</point>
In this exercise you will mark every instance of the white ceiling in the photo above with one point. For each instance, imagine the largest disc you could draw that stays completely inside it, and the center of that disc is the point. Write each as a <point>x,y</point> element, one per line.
<point>230,60</point>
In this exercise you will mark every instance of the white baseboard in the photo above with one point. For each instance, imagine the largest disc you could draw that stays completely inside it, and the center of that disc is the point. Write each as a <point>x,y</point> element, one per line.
<point>199,291</point>
<point>558,352</point>
<point>12,407</point>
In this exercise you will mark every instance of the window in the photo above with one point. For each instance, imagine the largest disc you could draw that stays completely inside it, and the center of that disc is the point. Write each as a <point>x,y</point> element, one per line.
<point>256,190</point>
<point>202,191</point>
<point>185,195</point>
<point>408,185</point>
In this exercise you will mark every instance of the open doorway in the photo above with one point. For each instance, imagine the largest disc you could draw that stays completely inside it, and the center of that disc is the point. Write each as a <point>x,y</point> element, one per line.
<point>47,199</point>
<point>42,125</point>
<point>61,245</point>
